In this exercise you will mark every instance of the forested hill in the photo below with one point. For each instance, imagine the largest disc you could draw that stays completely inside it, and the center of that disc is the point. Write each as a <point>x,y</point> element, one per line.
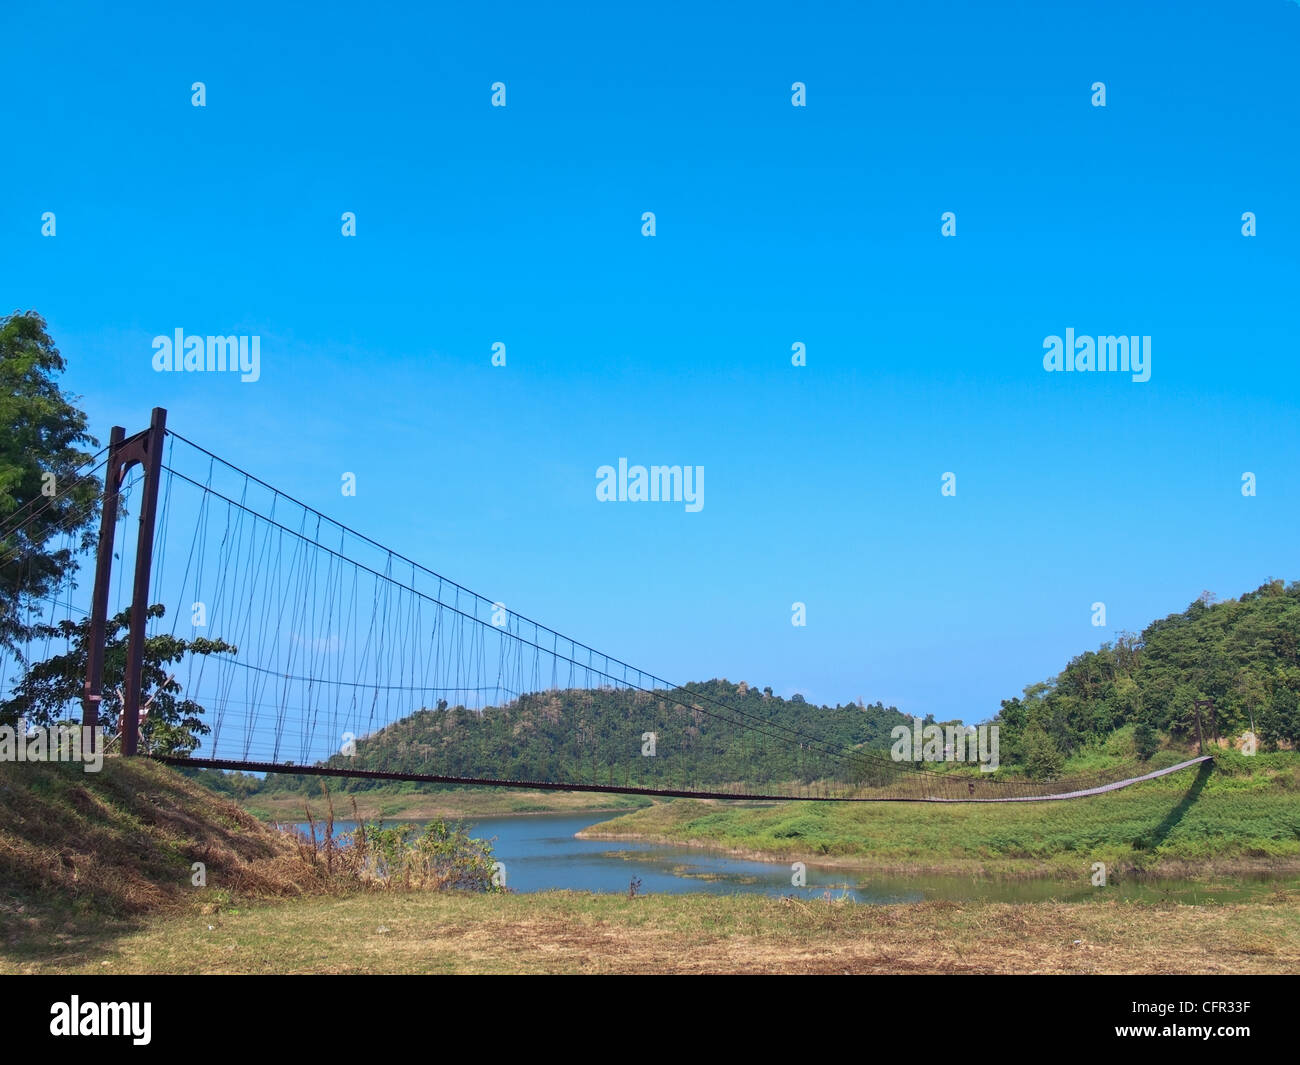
<point>1243,654</point>
<point>550,735</point>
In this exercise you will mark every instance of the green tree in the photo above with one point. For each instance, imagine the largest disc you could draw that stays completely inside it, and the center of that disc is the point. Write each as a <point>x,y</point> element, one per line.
<point>1145,740</point>
<point>1043,761</point>
<point>1279,721</point>
<point>50,690</point>
<point>1242,653</point>
<point>41,499</point>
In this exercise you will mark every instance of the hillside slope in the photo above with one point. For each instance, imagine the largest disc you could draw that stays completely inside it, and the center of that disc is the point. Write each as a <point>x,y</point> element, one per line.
<point>82,853</point>
<point>726,732</point>
<point>1243,655</point>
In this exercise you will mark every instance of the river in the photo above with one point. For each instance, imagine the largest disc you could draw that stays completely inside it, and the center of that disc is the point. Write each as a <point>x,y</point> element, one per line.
<point>540,853</point>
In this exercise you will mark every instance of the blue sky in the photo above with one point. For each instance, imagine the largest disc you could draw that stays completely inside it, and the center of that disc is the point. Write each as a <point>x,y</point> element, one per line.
<point>775,224</point>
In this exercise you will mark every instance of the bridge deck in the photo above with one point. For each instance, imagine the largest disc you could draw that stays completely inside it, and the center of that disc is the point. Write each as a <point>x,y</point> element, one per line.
<point>619,789</point>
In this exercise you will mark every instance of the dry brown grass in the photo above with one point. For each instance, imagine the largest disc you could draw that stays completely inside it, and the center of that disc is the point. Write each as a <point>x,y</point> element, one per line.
<point>566,932</point>
<point>81,852</point>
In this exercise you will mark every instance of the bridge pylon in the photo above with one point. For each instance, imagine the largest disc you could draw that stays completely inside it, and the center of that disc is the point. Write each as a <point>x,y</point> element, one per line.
<point>145,449</point>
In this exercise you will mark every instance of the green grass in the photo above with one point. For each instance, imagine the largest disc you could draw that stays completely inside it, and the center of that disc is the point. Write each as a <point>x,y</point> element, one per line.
<point>1242,814</point>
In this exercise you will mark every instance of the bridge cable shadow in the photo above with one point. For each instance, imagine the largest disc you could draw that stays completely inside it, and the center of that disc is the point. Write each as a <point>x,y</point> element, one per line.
<point>1161,832</point>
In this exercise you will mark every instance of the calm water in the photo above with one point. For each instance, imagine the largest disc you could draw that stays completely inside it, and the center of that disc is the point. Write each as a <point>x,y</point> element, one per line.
<point>540,853</point>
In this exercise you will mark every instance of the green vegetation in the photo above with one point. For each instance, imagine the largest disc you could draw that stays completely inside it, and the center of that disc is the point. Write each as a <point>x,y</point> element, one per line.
<point>556,735</point>
<point>1242,814</point>
<point>49,504</point>
<point>47,513</point>
<point>173,725</point>
<point>442,856</point>
<point>1242,654</point>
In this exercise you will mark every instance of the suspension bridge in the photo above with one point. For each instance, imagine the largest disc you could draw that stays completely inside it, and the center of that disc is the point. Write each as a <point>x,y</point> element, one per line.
<point>308,643</point>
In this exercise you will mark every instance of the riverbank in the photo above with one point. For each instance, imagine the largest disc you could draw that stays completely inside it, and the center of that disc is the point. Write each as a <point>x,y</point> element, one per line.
<point>1222,821</point>
<point>98,875</point>
<point>567,932</point>
<point>465,803</point>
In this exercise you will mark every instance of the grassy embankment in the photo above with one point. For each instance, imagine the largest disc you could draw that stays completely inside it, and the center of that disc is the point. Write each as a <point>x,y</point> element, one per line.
<point>84,856</point>
<point>1242,815</point>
